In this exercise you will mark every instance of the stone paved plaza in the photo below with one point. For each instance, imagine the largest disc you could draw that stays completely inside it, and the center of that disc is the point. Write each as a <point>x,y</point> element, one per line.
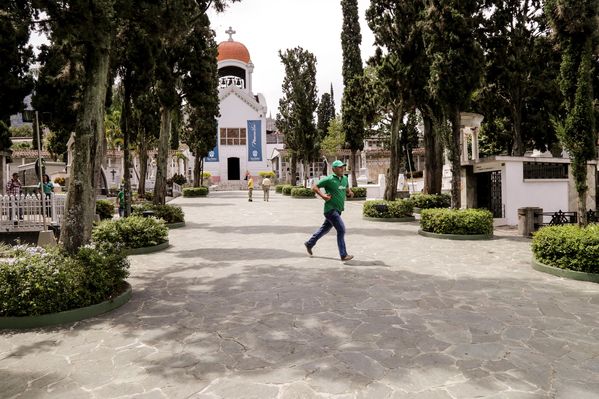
<point>236,309</point>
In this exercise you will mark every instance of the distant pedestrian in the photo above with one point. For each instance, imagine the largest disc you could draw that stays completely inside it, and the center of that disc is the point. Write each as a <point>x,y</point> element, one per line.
<point>250,187</point>
<point>13,188</point>
<point>266,188</point>
<point>120,201</point>
<point>336,187</point>
<point>47,189</point>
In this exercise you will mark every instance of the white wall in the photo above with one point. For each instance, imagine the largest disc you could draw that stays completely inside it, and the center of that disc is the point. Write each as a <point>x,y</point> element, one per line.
<point>234,114</point>
<point>551,195</point>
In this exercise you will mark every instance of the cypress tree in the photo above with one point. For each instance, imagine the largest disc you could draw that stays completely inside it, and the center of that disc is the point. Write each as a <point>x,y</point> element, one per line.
<point>351,105</point>
<point>574,24</point>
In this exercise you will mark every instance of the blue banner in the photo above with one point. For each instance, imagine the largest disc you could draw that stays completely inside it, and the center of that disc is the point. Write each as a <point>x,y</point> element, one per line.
<point>212,155</point>
<point>254,141</point>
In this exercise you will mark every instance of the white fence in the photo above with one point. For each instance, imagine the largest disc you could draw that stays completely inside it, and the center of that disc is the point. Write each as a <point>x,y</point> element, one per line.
<point>26,212</point>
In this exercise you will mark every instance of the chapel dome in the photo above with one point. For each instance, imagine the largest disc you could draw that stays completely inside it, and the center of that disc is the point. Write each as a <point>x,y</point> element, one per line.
<point>232,50</point>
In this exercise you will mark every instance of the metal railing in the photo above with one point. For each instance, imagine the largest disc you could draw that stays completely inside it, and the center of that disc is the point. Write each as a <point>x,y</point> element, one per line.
<point>26,213</point>
<point>560,218</point>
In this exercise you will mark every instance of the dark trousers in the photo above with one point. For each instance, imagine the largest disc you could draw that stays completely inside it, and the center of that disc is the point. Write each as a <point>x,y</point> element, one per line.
<point>332,219</point>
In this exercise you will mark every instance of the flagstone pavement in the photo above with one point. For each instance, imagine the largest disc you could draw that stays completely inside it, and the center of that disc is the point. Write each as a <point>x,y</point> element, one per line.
<point>235,308</point>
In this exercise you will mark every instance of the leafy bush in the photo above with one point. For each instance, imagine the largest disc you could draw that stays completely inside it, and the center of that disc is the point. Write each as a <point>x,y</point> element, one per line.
<point>302,192</point>
<point>177,178</point>
<point>195,192</point>
<point>286,190</point>
<point>429,201</point>
<point>568,247</point>
<point>131,232</point>
<point>23,145</point>
<point>21,131</point>
<point>279,188</point>
<point>270,174</point>
<point>206,175</point>
<point>387,209</point>
<point>359,192</point>
<point>36,281</point>
<point>457,221</point>
<point>168,213</point>
<point>149,195</point>
<point>105,209</point>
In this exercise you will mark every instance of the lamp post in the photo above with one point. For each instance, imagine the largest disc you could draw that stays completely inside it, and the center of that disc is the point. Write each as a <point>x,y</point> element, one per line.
<point>28,117</point>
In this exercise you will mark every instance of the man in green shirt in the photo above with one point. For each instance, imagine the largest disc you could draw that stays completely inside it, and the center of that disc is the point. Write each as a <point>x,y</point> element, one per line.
<point>336,187</point>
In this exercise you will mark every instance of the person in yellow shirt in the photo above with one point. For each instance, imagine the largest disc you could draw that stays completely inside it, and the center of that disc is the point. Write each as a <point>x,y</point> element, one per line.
<point>250,187</point>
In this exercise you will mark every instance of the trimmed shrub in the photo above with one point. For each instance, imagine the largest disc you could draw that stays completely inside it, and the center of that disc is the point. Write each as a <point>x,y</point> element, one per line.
<point>302,192</point>
<point>286,190</point>
<point>457,221</point>
<point>568,247</point>
<point>149,195</point>
<point>359,192</point>
<point>168,213</point>
<point>206,175</point>
<point>131,232</point>
<point>177,178</point>
<point>270,174</point>
<point>195,192</point>
<point>105,208</point>
<point>387,209</point>
<point>60,180</point>
<point>36,281</point>
<point>430,201</point>
<point>279,188</point>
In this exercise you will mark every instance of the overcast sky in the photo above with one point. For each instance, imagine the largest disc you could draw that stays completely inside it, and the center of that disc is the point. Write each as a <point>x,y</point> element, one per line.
<point>267,26</point>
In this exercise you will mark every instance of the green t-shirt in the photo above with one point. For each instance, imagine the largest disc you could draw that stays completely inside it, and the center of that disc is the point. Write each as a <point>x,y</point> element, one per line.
<point>121,197</point>
<point>336,187</point>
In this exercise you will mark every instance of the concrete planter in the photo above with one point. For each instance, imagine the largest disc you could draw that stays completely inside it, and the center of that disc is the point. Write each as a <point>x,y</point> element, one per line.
<point>68,316</point>
<point>175,225</point>
<point>473,237</point>
<point>303,197</point>
<point>565,273</point>
<point>356,199</point>
<point>390,220</point>
<point>147,250</point>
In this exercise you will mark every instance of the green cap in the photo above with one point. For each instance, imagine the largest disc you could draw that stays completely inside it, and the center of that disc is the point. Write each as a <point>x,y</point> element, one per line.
<point>337,164</point>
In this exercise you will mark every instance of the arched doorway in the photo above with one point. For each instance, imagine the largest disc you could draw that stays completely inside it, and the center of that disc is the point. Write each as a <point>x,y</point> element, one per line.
<point>233,171</point>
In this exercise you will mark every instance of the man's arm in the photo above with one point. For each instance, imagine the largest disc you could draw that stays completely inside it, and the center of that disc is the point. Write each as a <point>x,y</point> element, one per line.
<point>349,192</point>
<point>316,190</point>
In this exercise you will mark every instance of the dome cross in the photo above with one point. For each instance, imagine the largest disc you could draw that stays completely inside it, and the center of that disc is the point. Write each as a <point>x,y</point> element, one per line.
<point>230,32</point>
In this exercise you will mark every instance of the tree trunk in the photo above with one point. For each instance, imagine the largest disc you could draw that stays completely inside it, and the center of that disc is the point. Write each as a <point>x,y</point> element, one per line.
<point>306,169</point>
<point>166,117</point>
<point>454,157</point>
<point>433,161</point>
<point>395,147</point>
<point>126,112</point>
<point>352,165</point>
<point>143,165</point>
<point>518,144</point>
<point>579,173</point>
<point>197,171</point>
<point>80,206</point>
<point>293,169</point>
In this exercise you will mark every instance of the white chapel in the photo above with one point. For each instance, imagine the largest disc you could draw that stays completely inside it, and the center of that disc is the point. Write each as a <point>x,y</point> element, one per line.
<point>241,137</point>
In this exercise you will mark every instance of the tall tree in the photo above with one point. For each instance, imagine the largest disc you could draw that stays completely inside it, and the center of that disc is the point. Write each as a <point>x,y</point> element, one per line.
<point>324,114</point>
<point>297,107</point>
<point>351,105</point>
<point>89,31</point>
<point>15,58</point>
<point>574,24</point>
<point>518,83</point>
<point>450,36</point>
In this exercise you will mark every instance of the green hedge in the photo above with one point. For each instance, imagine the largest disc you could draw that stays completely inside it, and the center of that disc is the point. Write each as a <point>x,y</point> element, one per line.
<point>568,247</point>
<point>430,201</point>
<point>457,221</point>
<point>270,174</point>
<point>279,188</point>
<point>195,192</point>
<point>36,281</point>
<point>105,208</point>
<point>387,209</point>
<point>359,192</point>
<point>286,190</point>
<point>131,232</point>
<point>302,192</point>
<point>168,213</point>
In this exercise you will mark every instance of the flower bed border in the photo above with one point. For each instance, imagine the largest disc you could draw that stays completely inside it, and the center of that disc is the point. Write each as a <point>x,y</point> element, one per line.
<point>176,225</point>
<point>147,250</point>
<point>565,273</point>
<point>459,237</point>
<point>390,220</point>
<point>68,316</point>
<point>302,197</point>
<point>356,199</point>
